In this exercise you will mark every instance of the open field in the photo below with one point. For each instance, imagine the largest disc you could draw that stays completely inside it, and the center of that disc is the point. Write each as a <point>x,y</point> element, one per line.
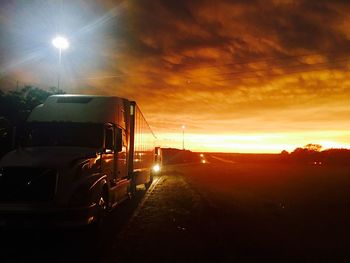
<point>219,211</point>
<point>228,211</point>
<point>285,210</point>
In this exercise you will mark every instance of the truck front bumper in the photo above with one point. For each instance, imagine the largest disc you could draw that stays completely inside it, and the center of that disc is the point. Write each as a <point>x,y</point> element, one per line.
<point>45,216</point>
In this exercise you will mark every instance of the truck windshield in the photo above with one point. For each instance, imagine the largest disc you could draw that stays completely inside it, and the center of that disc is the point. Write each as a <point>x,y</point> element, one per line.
<point>63,134</point>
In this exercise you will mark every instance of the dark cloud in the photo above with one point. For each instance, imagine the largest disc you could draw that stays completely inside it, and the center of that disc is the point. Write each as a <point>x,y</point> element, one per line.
<point>216,65</point>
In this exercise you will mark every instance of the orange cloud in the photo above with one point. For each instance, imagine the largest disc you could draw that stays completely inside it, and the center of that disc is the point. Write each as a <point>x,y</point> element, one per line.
<point>225,69</point>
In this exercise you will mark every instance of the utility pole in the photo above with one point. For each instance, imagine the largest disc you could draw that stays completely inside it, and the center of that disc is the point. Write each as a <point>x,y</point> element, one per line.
<point>183,137</point>
<point>61,43</point>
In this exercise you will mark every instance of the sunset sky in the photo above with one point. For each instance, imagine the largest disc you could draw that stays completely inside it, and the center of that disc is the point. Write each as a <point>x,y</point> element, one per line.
<point>242,76</point>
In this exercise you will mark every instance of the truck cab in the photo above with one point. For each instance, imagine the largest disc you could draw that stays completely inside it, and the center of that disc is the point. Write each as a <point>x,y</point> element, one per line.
<point>73,164</point>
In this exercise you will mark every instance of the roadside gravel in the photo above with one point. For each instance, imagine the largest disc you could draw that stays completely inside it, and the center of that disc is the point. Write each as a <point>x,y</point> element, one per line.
<point>170,225</point>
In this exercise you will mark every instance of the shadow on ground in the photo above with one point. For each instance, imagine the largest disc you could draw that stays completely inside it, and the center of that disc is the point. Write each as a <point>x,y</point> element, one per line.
<point>66,244</point>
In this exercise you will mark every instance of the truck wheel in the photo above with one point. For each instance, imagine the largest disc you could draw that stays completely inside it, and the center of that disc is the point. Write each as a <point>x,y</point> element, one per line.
<point>103,206</point>
<point>102,209</point>
<point>95,229</point>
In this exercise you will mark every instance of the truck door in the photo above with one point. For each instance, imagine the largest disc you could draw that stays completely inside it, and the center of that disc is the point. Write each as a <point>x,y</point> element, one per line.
<point>122,169</point>
<point>121,163</point>
<point>108,162</point>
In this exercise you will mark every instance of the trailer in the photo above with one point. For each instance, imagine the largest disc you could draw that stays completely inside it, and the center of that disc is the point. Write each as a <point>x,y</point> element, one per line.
<point>78,157</point>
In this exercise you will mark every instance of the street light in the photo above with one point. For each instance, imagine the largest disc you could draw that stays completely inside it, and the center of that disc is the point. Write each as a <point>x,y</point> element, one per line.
<point>183,137</point>
<point>61,43</point>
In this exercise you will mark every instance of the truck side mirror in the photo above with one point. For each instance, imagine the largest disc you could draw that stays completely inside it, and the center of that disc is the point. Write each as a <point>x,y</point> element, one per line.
<point>119,140</point>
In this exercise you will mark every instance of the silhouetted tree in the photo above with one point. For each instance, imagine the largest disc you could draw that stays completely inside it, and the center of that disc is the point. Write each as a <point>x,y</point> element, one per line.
<point>311,154</point>
<point>313,147</point>
<point>305,155</point>
<point>336,156</point>
<point>284,155</point>
<point>15,106</point>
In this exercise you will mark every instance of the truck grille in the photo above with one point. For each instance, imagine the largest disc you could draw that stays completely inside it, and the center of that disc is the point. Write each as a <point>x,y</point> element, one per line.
<point>27,184</point>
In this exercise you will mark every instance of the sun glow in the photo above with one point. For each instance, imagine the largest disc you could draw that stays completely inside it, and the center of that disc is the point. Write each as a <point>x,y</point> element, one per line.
<point>256,143</point>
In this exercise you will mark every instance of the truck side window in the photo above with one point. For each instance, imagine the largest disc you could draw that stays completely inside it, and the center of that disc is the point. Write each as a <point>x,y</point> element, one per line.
<point>109,142</point>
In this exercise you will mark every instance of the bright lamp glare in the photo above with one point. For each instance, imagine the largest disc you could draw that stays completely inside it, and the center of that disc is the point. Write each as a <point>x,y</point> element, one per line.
<point>60,42</point>
<point>156,168</point>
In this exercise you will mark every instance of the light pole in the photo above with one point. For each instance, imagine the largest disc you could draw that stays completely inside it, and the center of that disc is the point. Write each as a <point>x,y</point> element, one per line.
<point>61,43</point>
<point>183,137</point>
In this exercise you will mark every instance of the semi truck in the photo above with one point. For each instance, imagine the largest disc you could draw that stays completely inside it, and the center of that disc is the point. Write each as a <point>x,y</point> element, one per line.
<point>78,157</point>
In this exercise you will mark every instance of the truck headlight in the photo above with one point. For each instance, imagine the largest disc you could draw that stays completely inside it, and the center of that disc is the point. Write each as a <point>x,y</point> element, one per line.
<point>156,168</point>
